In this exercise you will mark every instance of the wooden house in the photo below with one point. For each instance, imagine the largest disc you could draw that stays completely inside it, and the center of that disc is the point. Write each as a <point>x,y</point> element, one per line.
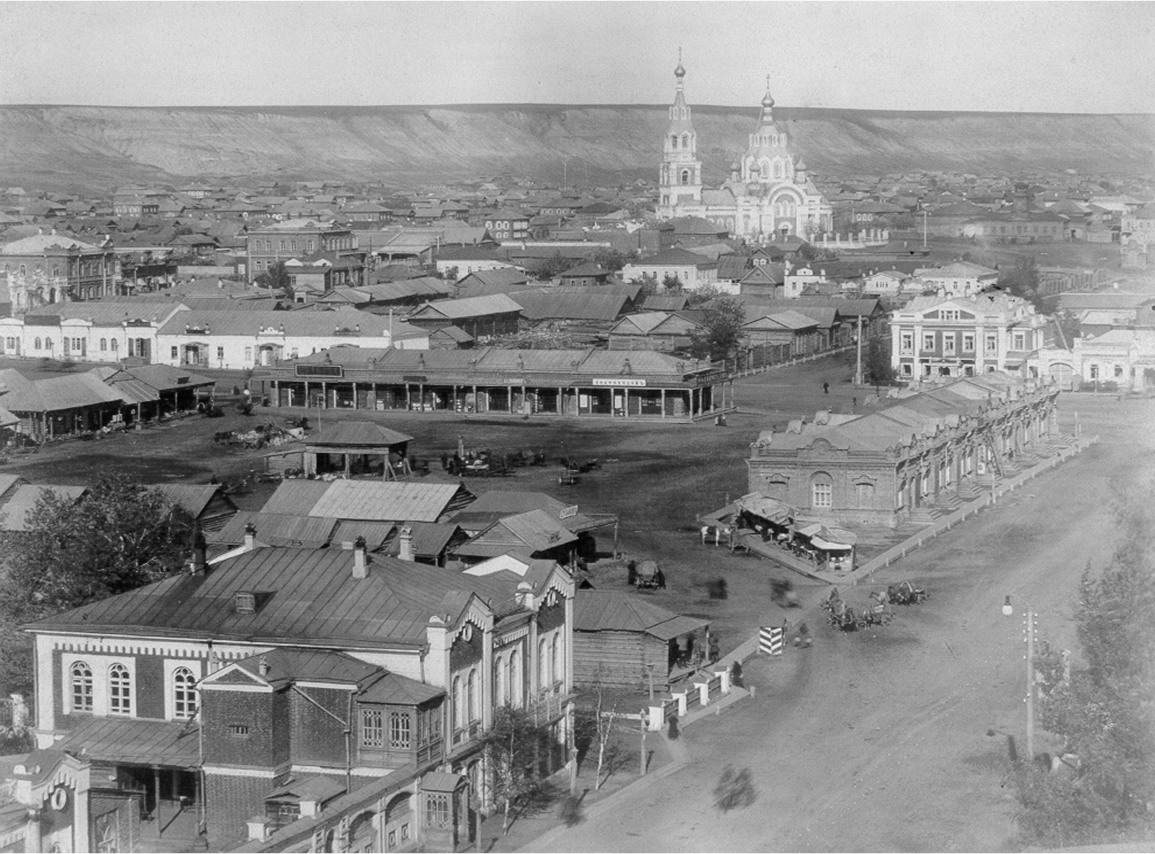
<point>623,640</point>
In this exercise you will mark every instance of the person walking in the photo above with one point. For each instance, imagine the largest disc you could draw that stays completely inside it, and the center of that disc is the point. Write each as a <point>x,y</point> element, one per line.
<point>826,388</point>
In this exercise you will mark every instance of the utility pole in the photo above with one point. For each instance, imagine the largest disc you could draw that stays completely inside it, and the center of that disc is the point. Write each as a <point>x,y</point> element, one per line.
<point>642,730</point>
<point>1030,684</point>
<point>924,228</point>
<point>858,369</point>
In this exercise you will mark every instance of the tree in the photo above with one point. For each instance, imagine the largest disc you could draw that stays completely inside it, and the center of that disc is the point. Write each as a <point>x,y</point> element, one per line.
<point>877,368</point>
<point>514,745</point>
<point>118,536</point>
<point>720,331</point>
<point>276,278</point>
<point>1101,708</point>
<point>554,266</point>
<point>648,283</point>
<point>671,283</point>
<point>1022,280</point>
<point>612,260</point>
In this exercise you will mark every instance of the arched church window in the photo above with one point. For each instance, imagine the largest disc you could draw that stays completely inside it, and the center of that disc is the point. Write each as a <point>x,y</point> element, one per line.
<point>685,176</point>
<point>685,140</point>
<point>673,140</point>
<point>777,168</point>
<point>765,169</point>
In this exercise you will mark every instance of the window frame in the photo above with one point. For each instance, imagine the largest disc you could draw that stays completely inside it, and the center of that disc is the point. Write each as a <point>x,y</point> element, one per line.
<point>120,691</point>
<point>87,694</point>
<point>371,729</point>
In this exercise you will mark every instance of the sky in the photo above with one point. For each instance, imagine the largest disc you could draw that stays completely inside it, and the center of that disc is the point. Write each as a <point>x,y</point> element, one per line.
<point>1029,56</point>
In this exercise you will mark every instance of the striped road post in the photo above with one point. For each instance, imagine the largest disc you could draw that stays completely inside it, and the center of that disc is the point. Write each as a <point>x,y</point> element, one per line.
<point>771,640</point>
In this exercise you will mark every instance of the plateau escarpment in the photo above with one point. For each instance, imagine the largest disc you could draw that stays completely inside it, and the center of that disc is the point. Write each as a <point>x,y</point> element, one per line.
<point>76,146</point>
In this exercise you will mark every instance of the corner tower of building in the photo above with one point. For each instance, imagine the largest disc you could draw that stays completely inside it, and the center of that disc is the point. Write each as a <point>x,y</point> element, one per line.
<point>680,181</point>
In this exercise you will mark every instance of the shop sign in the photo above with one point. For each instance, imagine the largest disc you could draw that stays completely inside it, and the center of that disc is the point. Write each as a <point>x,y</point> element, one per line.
<point>620,382</point>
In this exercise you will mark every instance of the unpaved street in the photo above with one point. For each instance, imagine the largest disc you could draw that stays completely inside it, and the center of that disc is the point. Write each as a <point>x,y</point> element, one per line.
<point>878,741</point>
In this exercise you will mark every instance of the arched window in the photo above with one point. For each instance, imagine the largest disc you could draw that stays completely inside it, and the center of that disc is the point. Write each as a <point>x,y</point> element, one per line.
<point>685,176</point>
<point>81,675</point>
<point>37,343</point>
<point>103,344</point>
<point>673,140</point>
<point>685,140</point>
<point>500,682</point>
<point>821,490</point>
<point>766,169</point>
<point>542,666</point>
<point>458,701</point>
<point>557,670</point>
<point>777,168</point>
<point>474,697</point>
<point>23,270</point>
<point>119,690</point>
<point>184,695</point>
<point>47,343</point>
<point>515,689</point>
<point>113,344</point>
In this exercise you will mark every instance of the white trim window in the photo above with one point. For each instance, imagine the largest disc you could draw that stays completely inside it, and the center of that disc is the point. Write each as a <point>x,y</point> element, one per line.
<point>184,694</point>
<point>120,700</point>
<point>80,687</point>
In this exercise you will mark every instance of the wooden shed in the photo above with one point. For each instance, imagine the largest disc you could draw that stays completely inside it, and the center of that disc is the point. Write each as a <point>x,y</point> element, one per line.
<point>618,636</point>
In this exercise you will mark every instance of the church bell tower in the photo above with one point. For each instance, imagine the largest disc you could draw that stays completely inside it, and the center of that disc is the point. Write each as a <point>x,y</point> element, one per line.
<point>680,181</point>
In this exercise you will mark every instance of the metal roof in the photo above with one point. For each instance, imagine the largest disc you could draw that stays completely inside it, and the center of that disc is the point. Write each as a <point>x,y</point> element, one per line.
<point>71,391</point>
<point>135,741</point>
<point>461,309</point>
<point>341,320</point>
<point>305,597</point>
<point>570,305</point>
<point>613,610</point>
<point>532,531</point>
<point>277,529</point>
<point>362,433</point>
<point>193,498</point>
<point>295,497</point>
<point>387,501</point>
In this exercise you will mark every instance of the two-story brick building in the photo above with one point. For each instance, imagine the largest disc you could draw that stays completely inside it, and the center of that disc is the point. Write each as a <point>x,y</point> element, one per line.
<point>49,268</point>
<point>278,242</point>
<point>326,697</point>
<point>991,331</point>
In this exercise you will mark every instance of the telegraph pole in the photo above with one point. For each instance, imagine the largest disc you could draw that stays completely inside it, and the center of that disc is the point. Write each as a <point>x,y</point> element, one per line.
<point>858,369</point>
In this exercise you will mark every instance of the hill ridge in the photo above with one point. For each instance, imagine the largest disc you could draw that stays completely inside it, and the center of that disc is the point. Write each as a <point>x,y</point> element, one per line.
<point>53,146</point>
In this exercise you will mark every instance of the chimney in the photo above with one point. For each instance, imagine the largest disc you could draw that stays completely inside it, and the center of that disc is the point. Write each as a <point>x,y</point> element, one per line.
<point>405,540</point>
<point>360,560</point>
<point>525,594</point>
<point>250,537</point>
<point>198,563</point>
<point>263,666</point>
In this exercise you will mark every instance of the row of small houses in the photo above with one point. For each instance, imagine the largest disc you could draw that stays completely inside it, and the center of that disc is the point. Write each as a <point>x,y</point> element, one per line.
<point>224,337</point>
<point>95,401</point>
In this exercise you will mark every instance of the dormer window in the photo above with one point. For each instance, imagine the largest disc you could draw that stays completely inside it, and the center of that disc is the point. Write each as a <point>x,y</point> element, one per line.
<point>245,602</point>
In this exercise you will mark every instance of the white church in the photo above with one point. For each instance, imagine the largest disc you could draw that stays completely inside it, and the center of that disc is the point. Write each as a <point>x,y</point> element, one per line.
<point>768,195</point>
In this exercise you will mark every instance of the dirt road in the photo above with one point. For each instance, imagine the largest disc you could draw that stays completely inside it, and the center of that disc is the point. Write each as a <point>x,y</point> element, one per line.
<point>878,741</point>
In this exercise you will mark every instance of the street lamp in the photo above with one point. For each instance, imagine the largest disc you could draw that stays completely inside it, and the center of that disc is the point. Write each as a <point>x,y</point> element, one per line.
<point>1029,621</point>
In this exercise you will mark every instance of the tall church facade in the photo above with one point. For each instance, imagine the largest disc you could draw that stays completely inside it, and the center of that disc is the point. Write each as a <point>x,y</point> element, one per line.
<point>768,194</point>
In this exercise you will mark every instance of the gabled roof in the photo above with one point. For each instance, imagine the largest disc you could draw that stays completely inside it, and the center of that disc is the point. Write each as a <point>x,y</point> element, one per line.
<point>461,309</point>
<point>531,531</point>
<point>566,304</point>
<point>674,258</point>
<point>616,611</point>
<point>190,497</point>
<point>276,529</point>
<point>389,501</point>
<point>71,391</point>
